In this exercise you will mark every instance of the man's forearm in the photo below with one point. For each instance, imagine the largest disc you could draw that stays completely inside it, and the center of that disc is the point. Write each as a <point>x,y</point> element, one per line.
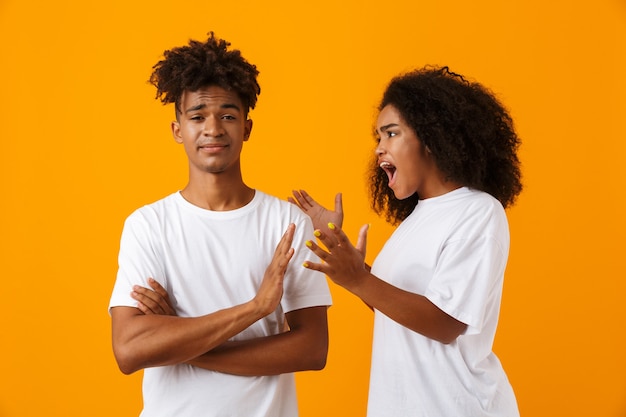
<point>142,341</point>
<point>303,347</point>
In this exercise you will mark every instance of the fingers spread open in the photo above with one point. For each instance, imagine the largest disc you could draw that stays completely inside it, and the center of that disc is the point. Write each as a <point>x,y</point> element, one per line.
<point>361,242</point>
<point>302,198</point>
<point>321,253</point>
<point>336,237</point>
<point>339,204</point>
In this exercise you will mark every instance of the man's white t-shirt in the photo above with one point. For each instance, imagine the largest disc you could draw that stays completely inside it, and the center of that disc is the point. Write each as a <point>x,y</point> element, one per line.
<point>452,249</point>
<point>208,261</point>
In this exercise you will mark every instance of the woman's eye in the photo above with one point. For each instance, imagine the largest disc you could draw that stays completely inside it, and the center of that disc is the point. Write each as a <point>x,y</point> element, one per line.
<point>391,134</point>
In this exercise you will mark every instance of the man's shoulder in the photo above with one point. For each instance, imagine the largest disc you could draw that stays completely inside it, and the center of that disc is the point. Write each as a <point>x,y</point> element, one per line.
<point>280,206</point>
<point>154,209</point>
<point>265,198</point>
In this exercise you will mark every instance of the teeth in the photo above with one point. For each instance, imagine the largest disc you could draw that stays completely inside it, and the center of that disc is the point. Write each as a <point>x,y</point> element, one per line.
<point>385,165</point>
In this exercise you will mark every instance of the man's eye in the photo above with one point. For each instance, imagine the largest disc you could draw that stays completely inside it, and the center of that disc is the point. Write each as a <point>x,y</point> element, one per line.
<point>228,117</point>
<point>197,117</point>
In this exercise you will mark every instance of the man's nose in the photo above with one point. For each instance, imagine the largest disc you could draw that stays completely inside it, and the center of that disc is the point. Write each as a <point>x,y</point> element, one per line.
<point>212,126</point>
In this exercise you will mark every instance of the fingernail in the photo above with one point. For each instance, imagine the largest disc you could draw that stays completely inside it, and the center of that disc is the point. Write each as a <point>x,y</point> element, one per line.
<point>317,233</point>
<point>309,243</point>
<point>305,264</point>
<point>331,226</point>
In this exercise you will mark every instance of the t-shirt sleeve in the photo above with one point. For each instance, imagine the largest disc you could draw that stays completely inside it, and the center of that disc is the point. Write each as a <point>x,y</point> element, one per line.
<point>304,287</point>
<point>468,279</point>
<point>138,260</point>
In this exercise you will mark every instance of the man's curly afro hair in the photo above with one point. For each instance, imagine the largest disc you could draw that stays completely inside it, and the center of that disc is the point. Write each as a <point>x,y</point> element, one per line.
<point>202,64</point>
<point>469,133</point>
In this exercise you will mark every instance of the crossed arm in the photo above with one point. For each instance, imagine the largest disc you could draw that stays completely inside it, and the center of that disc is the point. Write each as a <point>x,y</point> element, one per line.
<point>151,335</point>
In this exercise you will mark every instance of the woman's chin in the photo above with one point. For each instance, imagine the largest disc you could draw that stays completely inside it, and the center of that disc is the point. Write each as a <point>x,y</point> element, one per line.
<point>401,195</point>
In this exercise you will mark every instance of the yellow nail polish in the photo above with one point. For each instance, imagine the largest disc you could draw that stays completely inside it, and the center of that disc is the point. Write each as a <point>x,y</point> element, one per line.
<point>331,226</point>
<point>308,243</point>
<point>305,264</point>
<point>317,233</point>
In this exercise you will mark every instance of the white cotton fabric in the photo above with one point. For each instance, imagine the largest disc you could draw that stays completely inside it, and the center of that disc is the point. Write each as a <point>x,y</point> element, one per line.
<point>207,261</point>
<point>452,249</point>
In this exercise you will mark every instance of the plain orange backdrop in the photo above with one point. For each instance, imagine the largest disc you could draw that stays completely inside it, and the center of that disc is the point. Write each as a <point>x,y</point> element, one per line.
<point>84,143</point>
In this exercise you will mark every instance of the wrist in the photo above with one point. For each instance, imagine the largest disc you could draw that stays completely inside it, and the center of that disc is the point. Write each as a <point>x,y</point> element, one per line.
<point>256,309</point>
<point>358,286</point>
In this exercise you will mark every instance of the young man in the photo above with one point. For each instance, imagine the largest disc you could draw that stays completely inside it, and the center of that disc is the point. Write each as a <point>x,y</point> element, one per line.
<point>235,314</point>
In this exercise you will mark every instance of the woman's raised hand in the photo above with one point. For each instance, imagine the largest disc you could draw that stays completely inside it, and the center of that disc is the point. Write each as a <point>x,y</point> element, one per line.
<point>319,214</point>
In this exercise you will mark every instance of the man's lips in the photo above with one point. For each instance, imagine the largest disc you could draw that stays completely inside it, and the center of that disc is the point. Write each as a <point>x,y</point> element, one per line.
<point>212,147</point>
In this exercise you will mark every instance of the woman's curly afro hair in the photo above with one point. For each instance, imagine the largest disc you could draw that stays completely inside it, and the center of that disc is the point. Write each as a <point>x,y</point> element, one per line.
<point>469,133</point>
<point>202,64</point>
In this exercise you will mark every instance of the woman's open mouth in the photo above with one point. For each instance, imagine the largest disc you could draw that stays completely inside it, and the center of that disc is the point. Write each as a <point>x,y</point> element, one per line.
<point>390,170</point>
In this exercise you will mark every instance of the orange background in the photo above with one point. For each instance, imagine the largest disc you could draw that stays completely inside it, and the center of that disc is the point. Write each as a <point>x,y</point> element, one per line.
<point>84,143</point>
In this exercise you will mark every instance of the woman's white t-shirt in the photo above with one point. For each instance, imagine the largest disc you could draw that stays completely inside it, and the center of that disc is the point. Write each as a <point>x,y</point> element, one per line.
<point>453,250</point>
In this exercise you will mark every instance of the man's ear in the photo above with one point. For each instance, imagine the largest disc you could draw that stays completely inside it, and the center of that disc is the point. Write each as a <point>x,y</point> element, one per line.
<point>247,130</point>
<point>176,132</point>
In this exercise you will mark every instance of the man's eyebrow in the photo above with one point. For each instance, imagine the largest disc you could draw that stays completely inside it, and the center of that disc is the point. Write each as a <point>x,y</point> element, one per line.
<point>195,108</point>
<point>230,106</point>
<point>223,106</point>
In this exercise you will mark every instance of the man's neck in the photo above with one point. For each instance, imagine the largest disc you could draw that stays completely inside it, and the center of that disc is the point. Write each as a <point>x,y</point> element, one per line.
<point>214,194</point>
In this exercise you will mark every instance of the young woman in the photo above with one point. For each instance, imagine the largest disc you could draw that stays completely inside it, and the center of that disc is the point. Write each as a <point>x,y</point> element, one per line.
<point>446,167</point>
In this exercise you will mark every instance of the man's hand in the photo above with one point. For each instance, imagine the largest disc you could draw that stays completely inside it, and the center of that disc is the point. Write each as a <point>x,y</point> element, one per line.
<point>157,300</point>
<point>320,215</point>
<point>271,291</point>
<point>153,301</point>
